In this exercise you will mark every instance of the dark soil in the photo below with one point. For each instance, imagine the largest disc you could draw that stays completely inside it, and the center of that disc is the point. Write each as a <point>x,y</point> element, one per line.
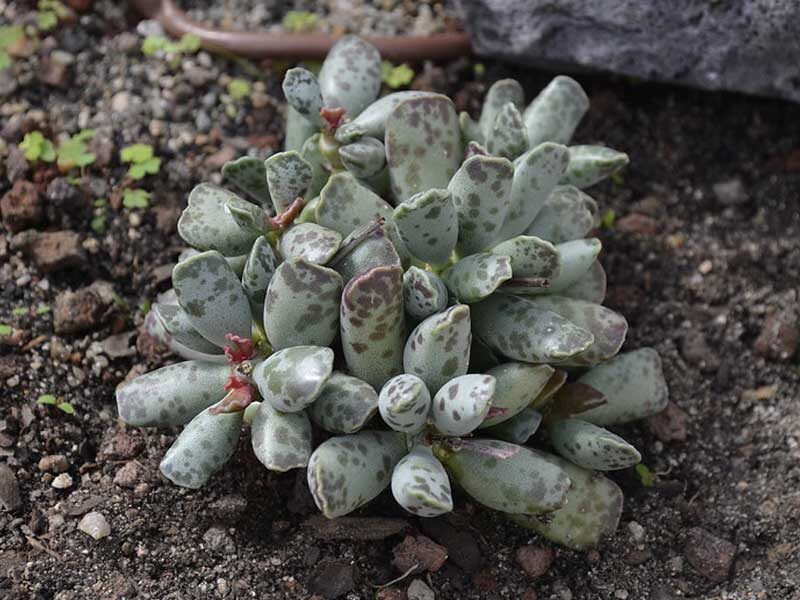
<point>697,281</point>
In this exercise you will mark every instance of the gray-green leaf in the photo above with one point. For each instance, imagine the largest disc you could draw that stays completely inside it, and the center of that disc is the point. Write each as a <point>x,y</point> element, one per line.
<point>404,403</point>
<point>428,225</point>
<point>258,271</point>
<point>591,164</point>
<point>501,93</point>
<point>350,76</point>
<point>319,172</point>
<point>288,177</point>
<point>345,205</point>
<point>420,484</point>
<point>177,324</point>
<point>310,241</point>
<point>507,136</point>
<point>281,441</point>
<point>477,276</point>
<point>592,447</point>
<point>364,158</point>
<point>555,113</point>
<point>292,378</point>
<point>567,214</point>
<point>516,387</point>
<point>372,120</point>
<point>518,429</point>
<point>301,88</point>
<point>248,175</point>
<point>424,293</point>
<point>531,257</point>
<point>359,255</point>
<point>298,130</point>
<point>591,287</point>
<point>344,405</point>
<point>461,405</point>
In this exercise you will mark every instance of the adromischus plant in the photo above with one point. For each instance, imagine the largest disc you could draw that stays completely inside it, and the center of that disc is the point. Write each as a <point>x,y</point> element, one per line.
<point>444,280</point>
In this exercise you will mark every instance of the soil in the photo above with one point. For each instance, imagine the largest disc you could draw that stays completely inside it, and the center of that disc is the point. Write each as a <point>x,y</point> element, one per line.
<point>697,274</point>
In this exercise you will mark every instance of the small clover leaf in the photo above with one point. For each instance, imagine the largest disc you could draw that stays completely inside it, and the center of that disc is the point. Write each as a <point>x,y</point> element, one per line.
<point>135,198</point>
<point>396,76</point>
<point>238,88</point>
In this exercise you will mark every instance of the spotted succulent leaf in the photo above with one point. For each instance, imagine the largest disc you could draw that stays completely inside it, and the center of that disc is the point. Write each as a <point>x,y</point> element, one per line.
<point>545,398</point>
<point>428,225</point>
<point>567,214</point>
<point>312,154</point>
<point>470,132</point>
<point>516,386</point>
<point>298,130</point>
<point>202,448</point>
<point>177,324</point>
<point>350,76</point>
<point>592,447</point>
<point>461,405</point>
<point>364,158</point>
<point>310,241</point>
<point>348,471</point>
<point>591,287</point>
<point>404,403</point>
<point>507,136</point>
<point>555,113</point>
<point>518,429</point>
<point>576,258</point>
<point>302,91</point>
<point>421,485</point>
<point>500,94</point>
<point>591,164</point>
<point>344,405</point>
<point>531,257</point>
<point>345,204</point>
<point>360,254</point>
<point>258,271</point>
<point>248,217</point>
<point>248,176</point>
<point>424,293</point>
<point>212,296</point>
<point>371,122</point>
<point>288,176</point>
<point>292,378</point>
<point>281,440</point>
<point>302,304</point>
<point>477,276</point>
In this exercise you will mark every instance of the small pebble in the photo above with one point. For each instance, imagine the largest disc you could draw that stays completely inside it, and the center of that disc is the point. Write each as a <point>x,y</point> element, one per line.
<point>95,525</point>
<point>54,463</point>
<point>418,590</point>
<point>636,531</point>
<point>62,482</point>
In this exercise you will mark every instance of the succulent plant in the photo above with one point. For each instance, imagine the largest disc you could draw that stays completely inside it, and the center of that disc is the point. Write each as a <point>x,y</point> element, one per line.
<point>431,324</point>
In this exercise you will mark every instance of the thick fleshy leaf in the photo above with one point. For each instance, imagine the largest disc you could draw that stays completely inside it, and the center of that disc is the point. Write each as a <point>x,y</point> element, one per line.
<point>477,276</point>
<point>319,172</point>
<point>292,378</point>
<point>424,293</point>
<point>470,132</point>
<point>423,145</point>
<point>312,242</point>
<point>404,403</point>
<point>248,175</point>
<point>531,257</point>
<point>298,130</point>
<point>202,448</point>
<point>438,349</point>
<point>576,258</point>
<point>591,287</point>
<point>481,192</point>
<point>350,76</point>
<point>371,122</point>
<point>247,216</point>
<point>591,164</point>
<point>519,428</point>
<point>545,397</point>
<point>177,324</point>
<point>555,113</point>
<point>592,512</point>
<point>567,214</point>
<point>364,158</point>
<point>516,387</point>
<point>501,93</point>
<point>301,88</point>
<point>288,177</point>
<point>206,225</point>
<point>507,136</point>
<point>281,441</point>
<point>536,173</point>
<point>523,482</point>
<point>345,204</point>
<point>372,325</point>
<point>302,304</point>
<point>309,212</point>
<point>634,384</point>
<point>172,395</point>
<point>461,405</point>
<point>573,398</point>
<point>258,271</point>
<point>608,327</point>
<point>428,225</point>
<point>592,447</point>
<point>360,254</point>
<point>421,485</point>
<point>522,330</point>
<point>212,296</point>
<point>348,471</point>
<point>344,405</point>
<point>155,329</point>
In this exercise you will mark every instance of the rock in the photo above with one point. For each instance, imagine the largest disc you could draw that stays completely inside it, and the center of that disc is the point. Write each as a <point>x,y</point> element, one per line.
<point>331,579</point>
<point>167,218</point>
<point>78,311</point>
<point>420,553</point>
<point>218,540</point>
<point>390,593</point>
<point>10,498</point>
<point>230,507</point>
<point>21,206</point>
<point>119,345</point>
<point>56,69</point>
<point>670,424</point>
<point>55,250</point>
<point>462,547</point>
<point>637,223</point>
<point>16,164</point>
<point>94,524</point>
<point>418,590</point>
<point>534,560</point>
<point>128,475</point>
<point>780,335</point>
<point>696,351</point>
<point>636,531</point>
<point>62,482</point>
<point>54,463</point>
<point>730,192</point>
<point>746,46</point>
<point>103,150</point>
<point>220,157</point>
<point>710,555</point>
<point>8,83</point>
<point>120,444</point>
<point>362,529</point>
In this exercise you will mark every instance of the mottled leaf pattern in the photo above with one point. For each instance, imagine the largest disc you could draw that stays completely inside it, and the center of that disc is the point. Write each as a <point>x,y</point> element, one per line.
<point>371,121</point>
<point>507,136</point>
<point>206,225</point>
<point>521,330</point>
<point>592,512</point>
<point>292,378</point>
<point>364,158</point>
<point>516,387</point>
<point>428,225</point>
<point>212,296</point>
<point>345,205</point>
<point>523,483</point>
<point>567,214</point>
<point>423,145</point>
<point>438,349</point>
<point>348,471</point>
<point>519,428</point>
<point>501,93</point>
<point>591,287</point>
<point>319,172</point>
<point>171,395</point>
<point>350,76</point>
<point>470,131</point>
<point>202,448</point>
<point>361,256</point>
<point>281,441</point>
<point>247,174</point>
<point>298,130</point>
<point>634,384</point>
<point>531,257</point>
<point>344,405</point>
<point>592,447</point>
<point>421,485</point>
<point>372,326</point>
<point>477,276</point>
<point>177,324</point>
<point>404,403</point>
<point>556,111</point>
<point>302,304</point>
<point>576,258</point>
<point>591,164</point>
<point>481,195</point>
<point>462,404</point>
<point>248,217</point>
<point>312,242</point>
<point>424,293</point>
<point>258,271</point>
<point>288,177</point>
<point>301,88</point>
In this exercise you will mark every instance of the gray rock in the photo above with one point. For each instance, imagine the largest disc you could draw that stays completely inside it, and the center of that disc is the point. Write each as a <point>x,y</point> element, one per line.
<point>749,46</point>
<point>730,192</point>
<point>217,539</point>
<point>710,555</point>
<point>9,489</point>
<point>418,590</point>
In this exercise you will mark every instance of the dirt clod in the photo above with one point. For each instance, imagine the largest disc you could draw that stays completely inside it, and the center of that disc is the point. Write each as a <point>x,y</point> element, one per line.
<point>712,556</point>
<point>21,206</point>
<point>535,560</point>
<point>420,553</point>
